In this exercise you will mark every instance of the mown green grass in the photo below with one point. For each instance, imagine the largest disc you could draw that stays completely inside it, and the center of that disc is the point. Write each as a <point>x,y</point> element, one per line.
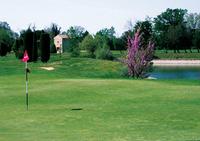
<point>69,104</point>
<point>161,54</point>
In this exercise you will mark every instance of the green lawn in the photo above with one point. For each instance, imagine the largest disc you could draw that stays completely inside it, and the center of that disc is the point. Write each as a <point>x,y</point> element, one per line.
<point>182,55</point>
<point>87,100</point>
<point>160,54</point>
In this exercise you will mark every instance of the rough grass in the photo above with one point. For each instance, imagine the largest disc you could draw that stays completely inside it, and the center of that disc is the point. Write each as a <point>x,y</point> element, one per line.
<point>69,104</point>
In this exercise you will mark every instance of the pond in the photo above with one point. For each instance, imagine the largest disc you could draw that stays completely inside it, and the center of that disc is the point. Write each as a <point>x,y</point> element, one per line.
<point>176,72</point>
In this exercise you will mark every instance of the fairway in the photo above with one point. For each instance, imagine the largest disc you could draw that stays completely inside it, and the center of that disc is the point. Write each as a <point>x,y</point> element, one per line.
<point>88,106</point>
<point>100,70</point>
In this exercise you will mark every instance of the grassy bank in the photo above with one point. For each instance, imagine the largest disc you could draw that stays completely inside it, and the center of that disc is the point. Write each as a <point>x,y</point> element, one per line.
<point>65,67</point>
<point>77,102</point>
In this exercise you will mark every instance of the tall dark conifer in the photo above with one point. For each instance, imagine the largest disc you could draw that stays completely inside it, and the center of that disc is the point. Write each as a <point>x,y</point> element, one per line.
<point>45,47</point>
<point>28,43</point>
<point>35,47</point>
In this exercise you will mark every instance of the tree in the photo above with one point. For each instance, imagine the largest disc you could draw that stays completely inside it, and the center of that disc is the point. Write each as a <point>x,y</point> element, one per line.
<point>99,40</point>
<point>45,47</point>
<point>161,41</point>
<point>179,37</point>
<point>31,41</point>
<point>3,49</point>
<point>97,47</point>
<point>35,47</point>
<point>103,52</point>
<point>125,36</point>
<point>53,31</point>
<point>73,47</point>
<point>119,43</point>
<point>28,43</point>
<point>186,39</point>
<point>108,32</point>
<point>171,19</point>
<point>173,36</point>
<point>109,35</point>
<point>129,25</point>
<point>139,58</point>
<point>89,45</point>
<point>145,30</point>
<point>7,36</point>
<point>77,32</point>
<point>193,21</point>
<point>28,40</point>
<point>196,40</point>
<point>18,48</point>
<point>102,48</point>
<point>4,25</point>
<point>5,39</point>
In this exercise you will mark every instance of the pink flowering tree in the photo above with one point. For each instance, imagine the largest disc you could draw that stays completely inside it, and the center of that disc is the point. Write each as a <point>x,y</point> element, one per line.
<point>139,56</point>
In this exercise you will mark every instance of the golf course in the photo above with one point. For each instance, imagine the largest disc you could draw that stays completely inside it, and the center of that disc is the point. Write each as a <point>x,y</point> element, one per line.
<point>84,99</point>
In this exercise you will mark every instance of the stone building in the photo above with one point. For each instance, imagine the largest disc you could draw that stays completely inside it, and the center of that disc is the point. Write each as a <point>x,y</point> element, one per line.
<point>60,42</point>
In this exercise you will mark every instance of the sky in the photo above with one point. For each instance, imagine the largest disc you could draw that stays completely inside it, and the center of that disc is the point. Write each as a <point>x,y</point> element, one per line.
<point>93,15</point>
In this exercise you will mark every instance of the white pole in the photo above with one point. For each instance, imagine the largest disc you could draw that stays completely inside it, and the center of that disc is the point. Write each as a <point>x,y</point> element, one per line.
<point>26,67</point>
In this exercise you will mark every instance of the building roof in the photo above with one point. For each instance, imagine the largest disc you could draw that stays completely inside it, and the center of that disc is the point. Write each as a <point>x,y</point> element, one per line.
<point>62,36</point>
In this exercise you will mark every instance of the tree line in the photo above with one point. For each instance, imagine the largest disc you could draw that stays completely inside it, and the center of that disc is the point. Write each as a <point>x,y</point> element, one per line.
<point>173,29</point>
<point>36,43</point>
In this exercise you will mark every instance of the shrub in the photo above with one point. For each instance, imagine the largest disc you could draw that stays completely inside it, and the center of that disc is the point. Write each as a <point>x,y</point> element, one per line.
<point>75,52</point>
<point>124,72</point>
<point>18,48</point>
<point>89,45</point>
<point>73,48</point>
<point>139,58</point>
<point>104,52</point>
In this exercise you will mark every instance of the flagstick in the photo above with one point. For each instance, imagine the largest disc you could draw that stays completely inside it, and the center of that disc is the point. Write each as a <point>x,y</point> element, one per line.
<point>26,67</point>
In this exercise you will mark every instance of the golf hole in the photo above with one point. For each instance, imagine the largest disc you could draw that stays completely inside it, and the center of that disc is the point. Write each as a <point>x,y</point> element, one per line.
<point>77,109</point>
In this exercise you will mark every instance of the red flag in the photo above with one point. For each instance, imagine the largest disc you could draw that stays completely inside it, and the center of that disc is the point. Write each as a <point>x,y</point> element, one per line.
<point>25,58</point>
